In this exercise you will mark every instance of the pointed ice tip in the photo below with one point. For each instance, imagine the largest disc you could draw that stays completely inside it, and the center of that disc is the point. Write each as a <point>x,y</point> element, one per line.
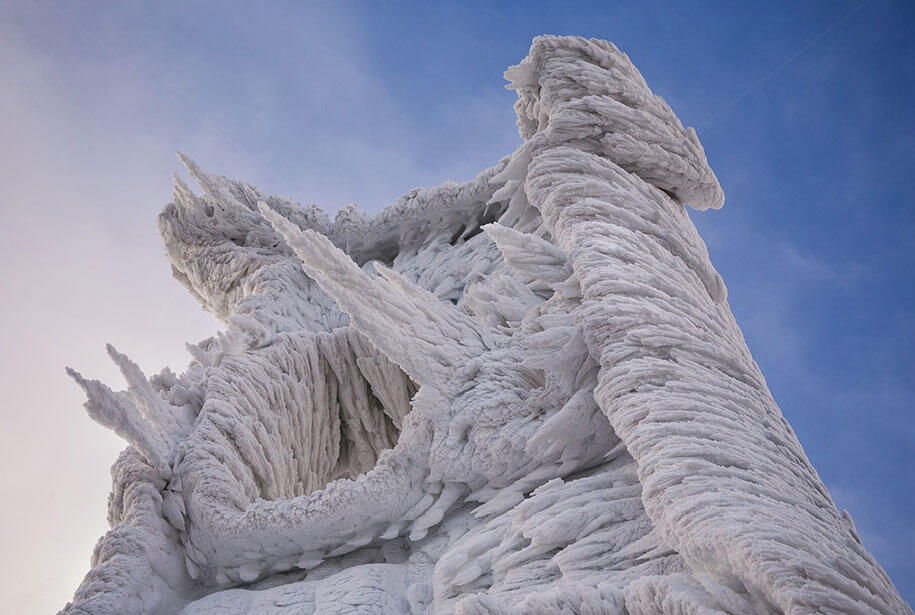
<point>77,377</point>
<point>121,360</point>
<point>191,166</point>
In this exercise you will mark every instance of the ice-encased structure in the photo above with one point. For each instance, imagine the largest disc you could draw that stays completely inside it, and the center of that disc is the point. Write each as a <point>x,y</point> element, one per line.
<point>521,394</point>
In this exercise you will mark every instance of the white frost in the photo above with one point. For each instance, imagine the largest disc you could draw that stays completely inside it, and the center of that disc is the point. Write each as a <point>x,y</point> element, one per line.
<point>521,394</point>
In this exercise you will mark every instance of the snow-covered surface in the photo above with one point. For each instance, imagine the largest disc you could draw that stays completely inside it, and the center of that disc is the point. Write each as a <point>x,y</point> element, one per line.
<point>522,394</point>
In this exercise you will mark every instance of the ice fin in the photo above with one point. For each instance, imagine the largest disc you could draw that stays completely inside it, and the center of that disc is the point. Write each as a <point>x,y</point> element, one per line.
<point>424,336</point>
<point>153,408</point>
<point>118,413</point>
<point>528,254</point>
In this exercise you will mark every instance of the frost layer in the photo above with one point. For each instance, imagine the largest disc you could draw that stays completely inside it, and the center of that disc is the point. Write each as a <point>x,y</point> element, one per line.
<point>521,394</point>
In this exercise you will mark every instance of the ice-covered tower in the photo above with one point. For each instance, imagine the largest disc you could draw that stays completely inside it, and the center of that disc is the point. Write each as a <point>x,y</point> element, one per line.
<point>521,394</point>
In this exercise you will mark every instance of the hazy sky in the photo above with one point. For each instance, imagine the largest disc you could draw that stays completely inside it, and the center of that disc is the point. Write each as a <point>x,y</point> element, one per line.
<point>805,110</point>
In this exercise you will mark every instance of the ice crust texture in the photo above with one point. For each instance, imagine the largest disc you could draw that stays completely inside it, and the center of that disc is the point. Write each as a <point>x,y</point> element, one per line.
<point>521,394</point>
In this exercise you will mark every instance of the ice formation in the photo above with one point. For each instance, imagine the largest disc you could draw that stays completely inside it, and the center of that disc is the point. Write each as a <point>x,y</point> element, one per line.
<point>521,394</point>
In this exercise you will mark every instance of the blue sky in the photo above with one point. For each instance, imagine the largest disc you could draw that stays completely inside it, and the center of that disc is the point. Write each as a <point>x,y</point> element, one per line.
<point>804,109</point>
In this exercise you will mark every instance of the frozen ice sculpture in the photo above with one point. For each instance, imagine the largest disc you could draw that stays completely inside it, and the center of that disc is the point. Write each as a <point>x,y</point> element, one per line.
<point>521,394</point>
